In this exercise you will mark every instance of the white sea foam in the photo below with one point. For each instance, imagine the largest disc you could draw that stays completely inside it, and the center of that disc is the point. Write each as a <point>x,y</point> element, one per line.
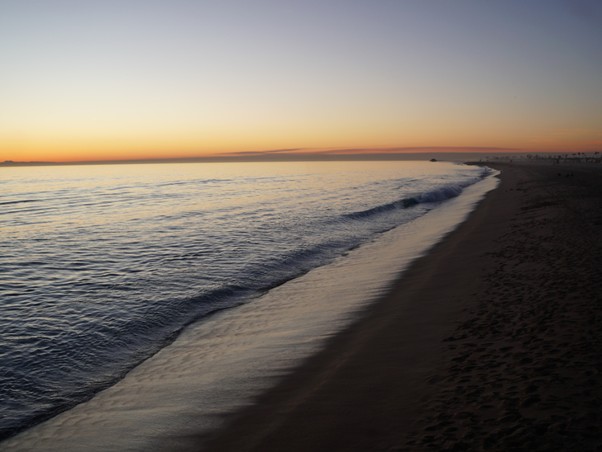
<point>221,363</point>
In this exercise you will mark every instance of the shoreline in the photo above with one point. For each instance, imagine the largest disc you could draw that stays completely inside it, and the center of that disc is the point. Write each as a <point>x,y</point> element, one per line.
<point>217,366</point>
<point>489,341</point>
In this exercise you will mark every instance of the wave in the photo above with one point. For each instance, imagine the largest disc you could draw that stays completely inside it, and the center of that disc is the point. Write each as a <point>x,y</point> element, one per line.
<point>23,201</point>
<point>193,182</point>
<point>436,195</point>
<point>107,338</point>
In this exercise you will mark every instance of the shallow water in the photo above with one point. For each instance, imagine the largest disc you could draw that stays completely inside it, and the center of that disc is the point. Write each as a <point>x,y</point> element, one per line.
<point>104,266</point>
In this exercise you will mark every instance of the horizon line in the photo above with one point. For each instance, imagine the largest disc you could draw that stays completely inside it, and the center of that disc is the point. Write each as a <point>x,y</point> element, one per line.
<point>292,154</point>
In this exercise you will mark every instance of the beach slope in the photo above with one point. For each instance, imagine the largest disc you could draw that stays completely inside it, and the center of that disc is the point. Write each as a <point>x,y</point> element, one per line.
<point>491,341</point>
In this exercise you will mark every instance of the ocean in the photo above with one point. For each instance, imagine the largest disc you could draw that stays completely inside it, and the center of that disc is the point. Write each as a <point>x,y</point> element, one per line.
<point>214,278</point>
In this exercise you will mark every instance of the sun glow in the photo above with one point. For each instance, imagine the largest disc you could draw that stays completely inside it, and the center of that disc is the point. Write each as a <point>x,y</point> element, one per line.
<point>103,82</point>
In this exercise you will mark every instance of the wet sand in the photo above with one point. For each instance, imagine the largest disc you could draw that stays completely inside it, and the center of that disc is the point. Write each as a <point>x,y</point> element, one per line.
<point>491,341</point>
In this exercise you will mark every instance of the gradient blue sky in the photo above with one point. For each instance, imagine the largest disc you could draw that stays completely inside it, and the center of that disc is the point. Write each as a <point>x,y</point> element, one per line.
<point>84,80</point>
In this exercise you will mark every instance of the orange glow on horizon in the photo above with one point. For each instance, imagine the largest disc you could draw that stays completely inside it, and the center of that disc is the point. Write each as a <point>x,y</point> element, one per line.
<point>94,153</point>
<point>69,138</point>
<point>107,81</point>
<point>85,143</point>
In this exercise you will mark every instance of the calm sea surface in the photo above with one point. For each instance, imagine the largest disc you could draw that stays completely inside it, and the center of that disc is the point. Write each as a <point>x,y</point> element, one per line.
<point>102,266</point>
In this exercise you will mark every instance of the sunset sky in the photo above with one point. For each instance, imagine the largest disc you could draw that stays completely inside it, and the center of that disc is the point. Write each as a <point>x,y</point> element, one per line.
<point>123,79</point>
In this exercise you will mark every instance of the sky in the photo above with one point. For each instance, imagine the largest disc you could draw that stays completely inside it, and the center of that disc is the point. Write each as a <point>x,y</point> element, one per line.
<point>94,80</point>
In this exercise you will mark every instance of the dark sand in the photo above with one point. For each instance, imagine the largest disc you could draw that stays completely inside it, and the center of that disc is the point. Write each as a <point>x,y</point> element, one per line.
<point>491,341</point>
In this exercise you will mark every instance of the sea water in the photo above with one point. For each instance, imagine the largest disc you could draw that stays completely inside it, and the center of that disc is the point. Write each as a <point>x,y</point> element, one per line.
<point>104,266</point>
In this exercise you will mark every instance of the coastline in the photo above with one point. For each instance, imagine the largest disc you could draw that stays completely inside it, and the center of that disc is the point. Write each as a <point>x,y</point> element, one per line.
<point>489,341</point>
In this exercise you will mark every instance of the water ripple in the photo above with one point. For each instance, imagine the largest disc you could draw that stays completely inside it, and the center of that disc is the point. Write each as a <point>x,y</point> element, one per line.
<point>102,266</point>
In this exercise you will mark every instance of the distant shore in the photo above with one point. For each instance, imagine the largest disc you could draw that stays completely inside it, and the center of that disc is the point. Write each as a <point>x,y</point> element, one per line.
<point>262,158</point>
<point>491,341</point>
<point>293,155</point>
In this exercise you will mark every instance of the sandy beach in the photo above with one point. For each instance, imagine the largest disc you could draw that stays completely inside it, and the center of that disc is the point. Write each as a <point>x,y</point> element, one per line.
<point>491,341</point>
